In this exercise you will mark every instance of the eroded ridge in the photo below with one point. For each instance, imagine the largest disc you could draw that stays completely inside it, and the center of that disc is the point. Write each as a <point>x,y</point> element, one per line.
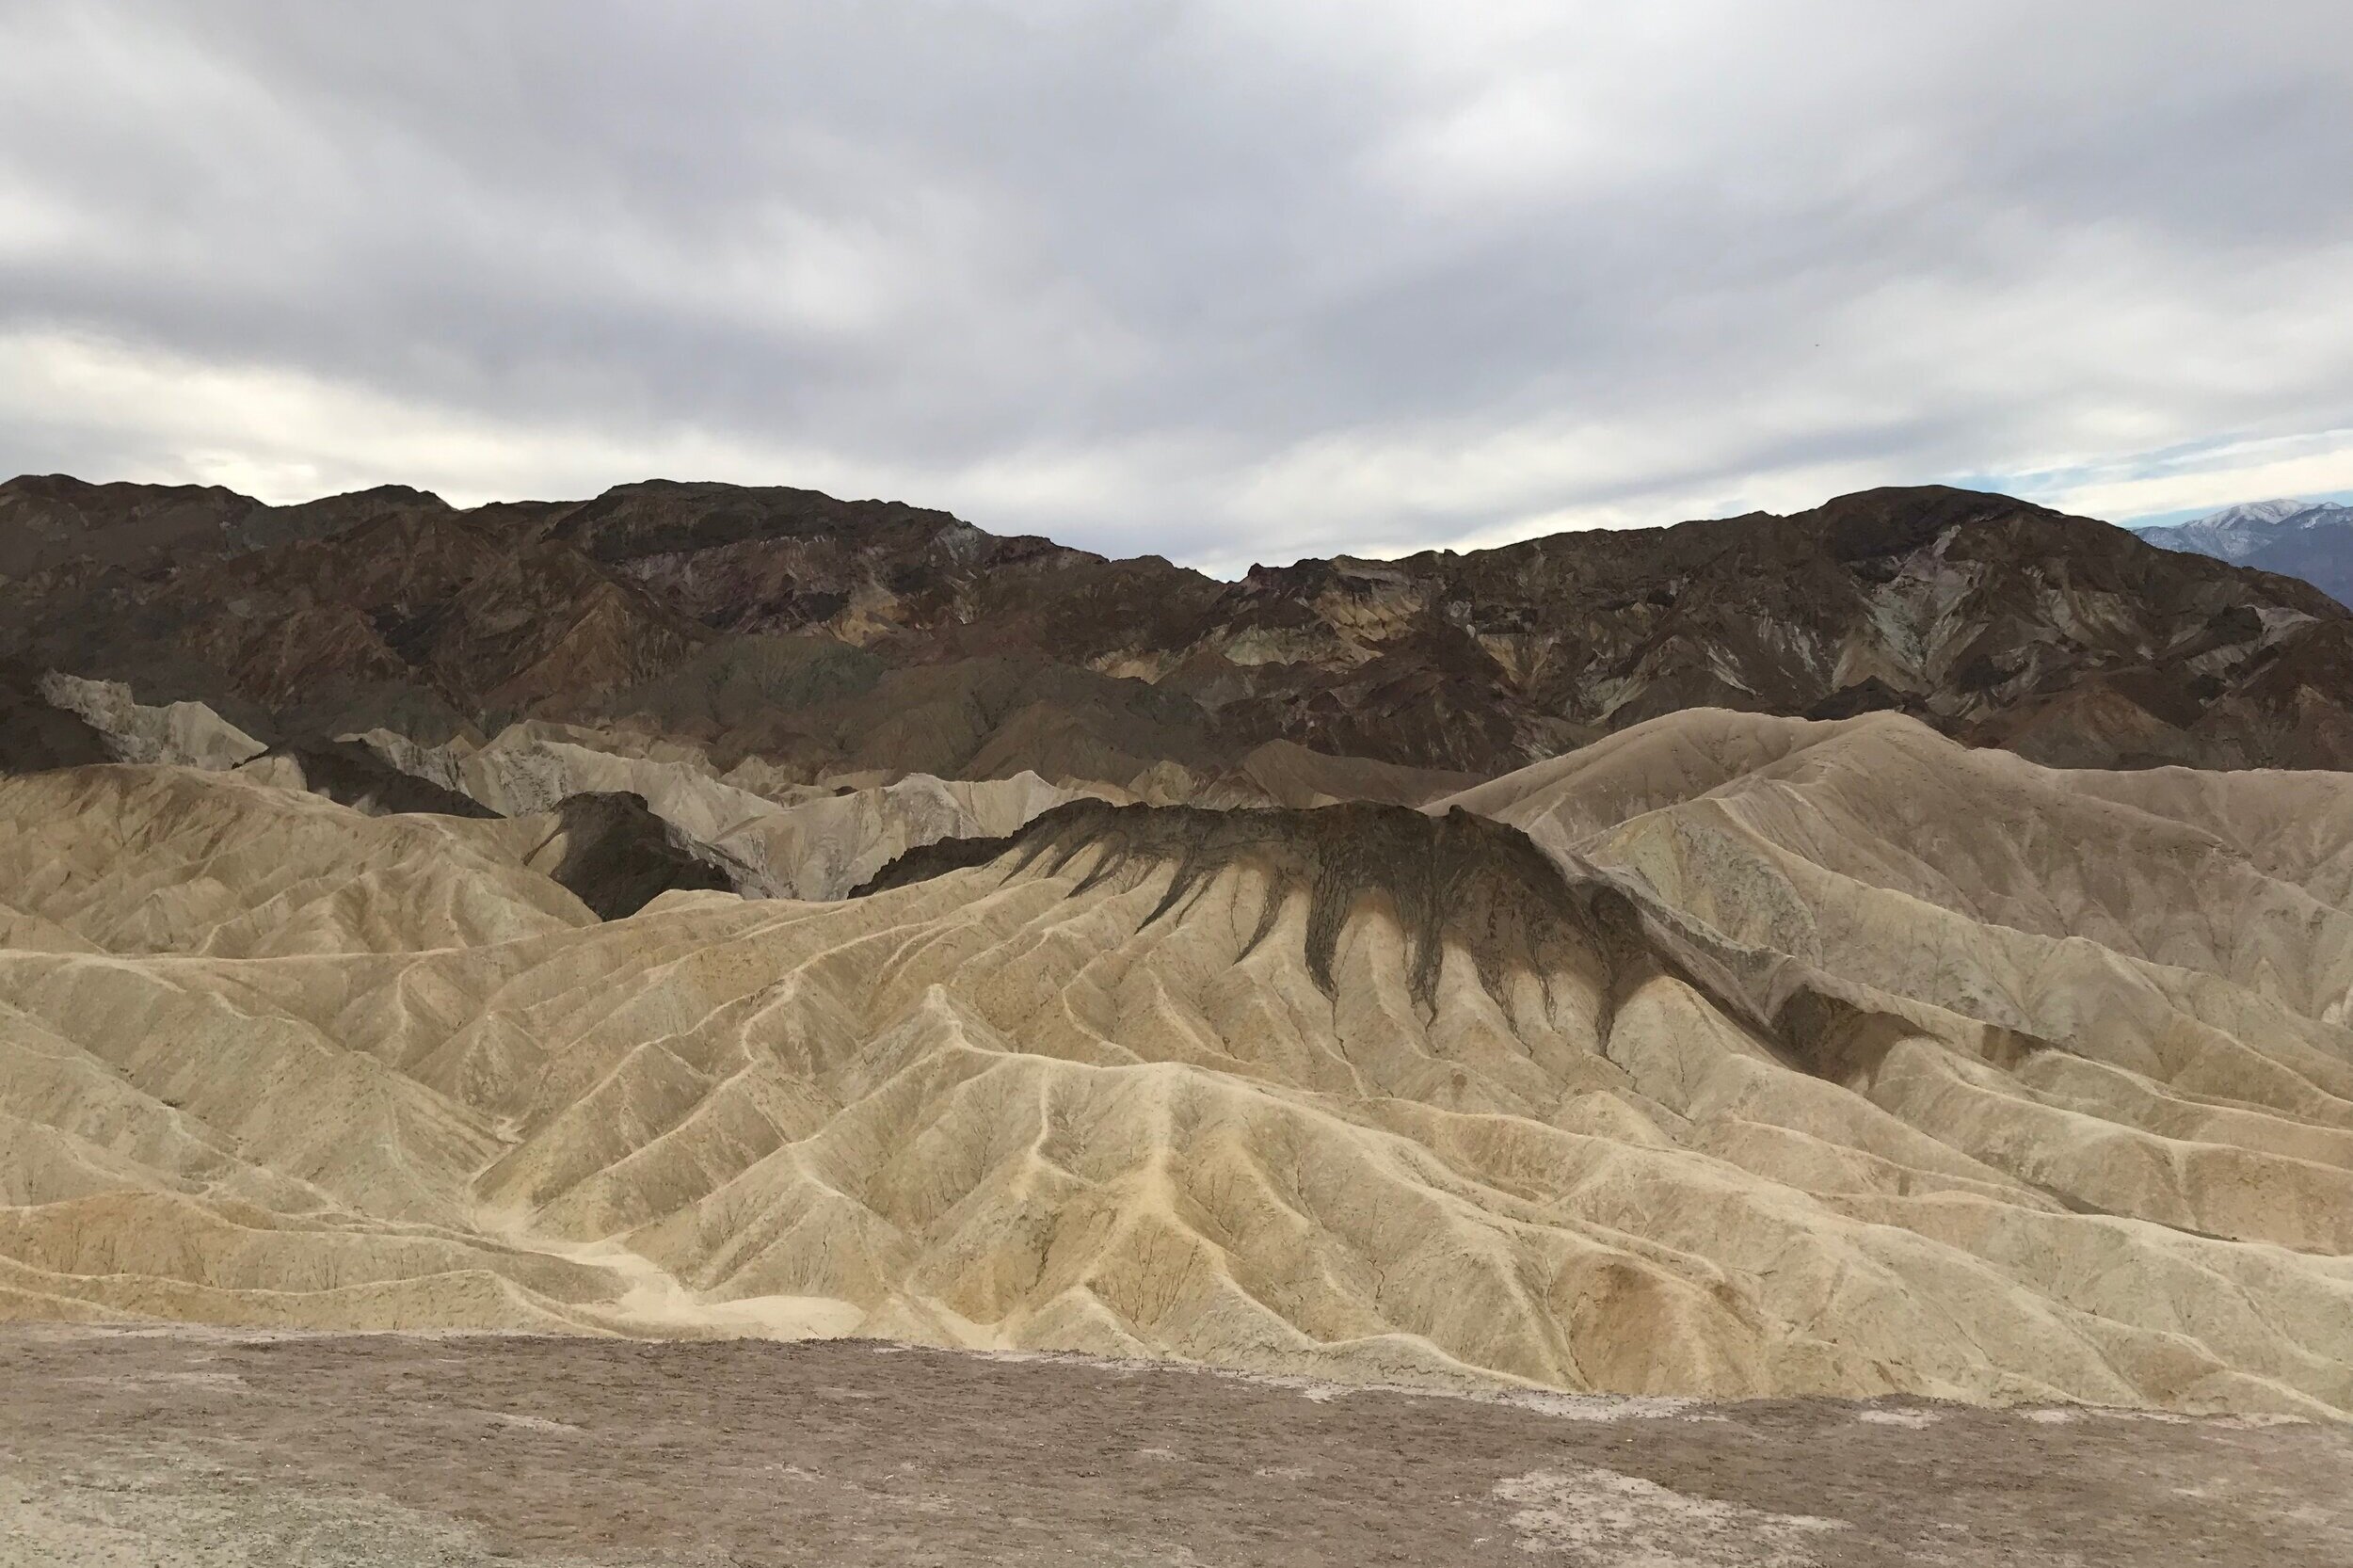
<point>1768,1062</point>
<point>1476,884</point>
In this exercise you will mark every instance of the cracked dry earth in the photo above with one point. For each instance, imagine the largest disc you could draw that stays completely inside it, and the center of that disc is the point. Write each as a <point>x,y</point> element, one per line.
<point>212,1448</point>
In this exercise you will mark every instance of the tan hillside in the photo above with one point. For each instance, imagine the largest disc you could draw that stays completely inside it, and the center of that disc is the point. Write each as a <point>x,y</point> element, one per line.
<point>1778,1057</point>
<point>184,733</point>
<point>784,840</point>
<point>749,829</point>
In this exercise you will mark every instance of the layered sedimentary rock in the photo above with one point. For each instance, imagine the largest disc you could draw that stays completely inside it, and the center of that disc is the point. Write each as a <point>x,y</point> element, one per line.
<point>773,839</point>
<point>1730,1056</point>
<point>1596,963</point>
<point>187,734</point>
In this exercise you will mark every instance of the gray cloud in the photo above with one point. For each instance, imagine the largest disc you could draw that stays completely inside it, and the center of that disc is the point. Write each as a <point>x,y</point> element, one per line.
<point>1221,281</point>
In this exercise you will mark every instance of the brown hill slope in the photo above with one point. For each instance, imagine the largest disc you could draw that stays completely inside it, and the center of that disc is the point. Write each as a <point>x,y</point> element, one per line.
<point>1996,620</point>
<point>842,637</point>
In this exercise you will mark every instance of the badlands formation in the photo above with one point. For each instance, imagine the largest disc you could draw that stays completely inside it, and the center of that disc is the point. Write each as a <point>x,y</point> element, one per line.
<point>1729,1054</point>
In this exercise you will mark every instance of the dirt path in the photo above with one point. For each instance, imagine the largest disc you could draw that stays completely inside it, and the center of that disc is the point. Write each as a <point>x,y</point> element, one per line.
<point>212,1450</point>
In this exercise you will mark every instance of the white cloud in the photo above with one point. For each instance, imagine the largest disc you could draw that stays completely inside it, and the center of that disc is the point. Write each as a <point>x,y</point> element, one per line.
<point>2206,478</point>
<point>284,435</point>
<point>1221,281</point>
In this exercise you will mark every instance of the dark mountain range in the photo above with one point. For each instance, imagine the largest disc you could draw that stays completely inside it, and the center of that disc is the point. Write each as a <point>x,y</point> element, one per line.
<point>2313,540</point>
<point>833,638</point>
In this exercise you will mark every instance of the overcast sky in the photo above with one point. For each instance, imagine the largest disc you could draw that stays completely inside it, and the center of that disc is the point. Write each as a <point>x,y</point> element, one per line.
<point>1223,282</point>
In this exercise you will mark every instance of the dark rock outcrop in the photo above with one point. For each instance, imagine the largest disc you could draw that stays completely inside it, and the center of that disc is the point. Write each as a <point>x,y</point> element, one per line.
<point>349,773</point>
<point>35,735</point>
<point>833,637</point>
<point>615,856</point>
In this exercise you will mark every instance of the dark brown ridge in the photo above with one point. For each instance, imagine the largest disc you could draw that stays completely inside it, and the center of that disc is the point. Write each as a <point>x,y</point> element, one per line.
<point>1482,883</point>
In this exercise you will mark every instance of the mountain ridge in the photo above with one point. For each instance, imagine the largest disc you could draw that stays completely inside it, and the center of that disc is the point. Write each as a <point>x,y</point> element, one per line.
<point>2308,539</point>
<point>850,637</point>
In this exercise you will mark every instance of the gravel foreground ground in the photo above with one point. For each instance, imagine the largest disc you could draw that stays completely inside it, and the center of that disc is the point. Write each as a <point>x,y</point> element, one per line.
<point>216,1449</point>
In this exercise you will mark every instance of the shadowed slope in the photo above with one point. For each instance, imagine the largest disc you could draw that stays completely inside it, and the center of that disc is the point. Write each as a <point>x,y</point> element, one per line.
<point>1459,880</point>
<point>615,856</point>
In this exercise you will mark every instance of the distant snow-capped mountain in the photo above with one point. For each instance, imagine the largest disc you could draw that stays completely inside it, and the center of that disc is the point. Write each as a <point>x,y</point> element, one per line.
<point>2311,539</point>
